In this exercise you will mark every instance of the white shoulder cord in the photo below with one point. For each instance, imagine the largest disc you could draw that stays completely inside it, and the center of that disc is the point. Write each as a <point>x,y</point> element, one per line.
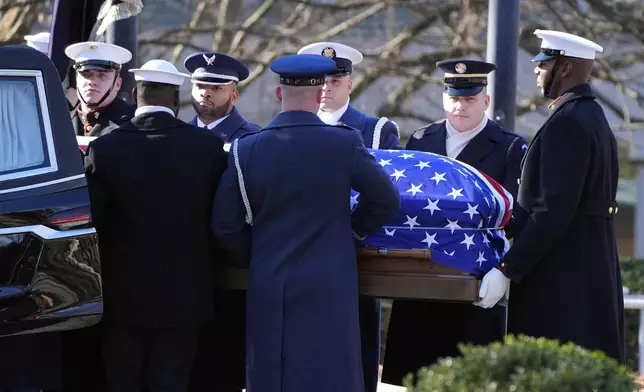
<point>242,187</point>
<point>377,131</point>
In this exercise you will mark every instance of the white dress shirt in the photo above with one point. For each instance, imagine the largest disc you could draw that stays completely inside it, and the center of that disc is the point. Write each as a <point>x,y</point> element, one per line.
<point>332,118</point>
<point>456,141</point>
<point>153,108</point>
<point>213,124</point>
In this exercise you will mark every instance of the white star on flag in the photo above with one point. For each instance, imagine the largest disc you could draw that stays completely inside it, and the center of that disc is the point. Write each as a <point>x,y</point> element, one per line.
<point>422,165</point>
<point>390,233</point>
<point>456,193</point>
<point>449,254</point>
<point>385,162</point>
<point>468,241</point>
<point>354,201</point>
<point>398,174</point>
<point>432,206</point>
<point>415,189</point>
<point>485,240</point>
<point>429,239</point>
<point>453,225</point>
<point>411,222</point>
<point>471,211</point>
<point>405,156</point>
<point>481,259</point>
<point>438,177</point>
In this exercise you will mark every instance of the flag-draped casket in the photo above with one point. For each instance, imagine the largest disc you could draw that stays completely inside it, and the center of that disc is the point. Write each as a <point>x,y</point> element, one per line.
<point>447,206</point>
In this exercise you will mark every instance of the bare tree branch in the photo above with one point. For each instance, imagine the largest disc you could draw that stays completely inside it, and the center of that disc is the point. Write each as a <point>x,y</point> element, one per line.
<point>196,17</point>
<point>249,23</point>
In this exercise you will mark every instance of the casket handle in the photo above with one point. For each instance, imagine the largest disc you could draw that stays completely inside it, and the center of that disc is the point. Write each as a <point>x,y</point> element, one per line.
<point>420,254</point>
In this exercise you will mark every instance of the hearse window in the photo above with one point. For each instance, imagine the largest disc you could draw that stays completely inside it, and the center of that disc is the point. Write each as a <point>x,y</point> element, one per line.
<point>26,143</point>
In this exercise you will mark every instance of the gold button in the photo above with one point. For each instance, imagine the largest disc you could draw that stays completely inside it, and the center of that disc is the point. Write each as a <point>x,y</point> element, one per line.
<point>518,181</point>
<point>610,210</point>
<point>616,209</point>
<point>97,113</point>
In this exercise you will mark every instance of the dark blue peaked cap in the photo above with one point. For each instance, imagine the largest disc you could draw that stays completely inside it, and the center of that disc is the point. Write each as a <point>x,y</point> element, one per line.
<point>215,68</point>
<point>303,69</point>
<point>465,78</point>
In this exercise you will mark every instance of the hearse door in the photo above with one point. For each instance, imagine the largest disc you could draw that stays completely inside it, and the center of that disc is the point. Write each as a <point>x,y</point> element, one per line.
<point>49,263</point>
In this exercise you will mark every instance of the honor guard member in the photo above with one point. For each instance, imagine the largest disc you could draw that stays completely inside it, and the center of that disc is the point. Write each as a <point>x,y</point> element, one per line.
<point>214,93</point>
<point>39,41</point>
<point>282,209</point>
<point>97,67</point>
<point>152,215</point>
<point>421,332</point>
<point>563,266</point>
<point>377,132</point>
<point>215,77</point>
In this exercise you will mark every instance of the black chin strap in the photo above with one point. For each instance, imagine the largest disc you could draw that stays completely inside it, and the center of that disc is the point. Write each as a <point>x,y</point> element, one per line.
<point>551,78</point>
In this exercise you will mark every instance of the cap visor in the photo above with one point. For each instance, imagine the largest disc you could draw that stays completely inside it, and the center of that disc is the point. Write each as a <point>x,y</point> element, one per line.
<point>542,57</point>
<point>464,92</point>
<point>91,67</point>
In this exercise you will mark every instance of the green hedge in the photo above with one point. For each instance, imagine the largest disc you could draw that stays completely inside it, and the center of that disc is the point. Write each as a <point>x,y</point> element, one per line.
<point>524,364</point>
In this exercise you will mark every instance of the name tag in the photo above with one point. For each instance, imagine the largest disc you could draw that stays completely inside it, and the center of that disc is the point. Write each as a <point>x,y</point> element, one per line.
<point>227,146</point>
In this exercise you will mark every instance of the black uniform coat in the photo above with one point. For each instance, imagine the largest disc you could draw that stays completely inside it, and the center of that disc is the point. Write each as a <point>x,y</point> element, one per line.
<point>220,359</point>
<point>421,332</point>
<point>101,121</point>
<point>566,281</point>
<point>151,185</point>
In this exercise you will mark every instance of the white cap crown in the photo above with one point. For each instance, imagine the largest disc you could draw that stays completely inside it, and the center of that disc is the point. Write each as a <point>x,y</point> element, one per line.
<point>159,71</point>
<point>571,45</point>
<point>38,41</point>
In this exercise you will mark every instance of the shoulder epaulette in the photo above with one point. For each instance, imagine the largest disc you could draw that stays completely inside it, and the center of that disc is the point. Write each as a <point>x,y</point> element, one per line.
<point>420,132</point>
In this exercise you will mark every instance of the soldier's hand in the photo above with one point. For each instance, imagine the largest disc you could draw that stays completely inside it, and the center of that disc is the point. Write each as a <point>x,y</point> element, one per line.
<point>494,286</point>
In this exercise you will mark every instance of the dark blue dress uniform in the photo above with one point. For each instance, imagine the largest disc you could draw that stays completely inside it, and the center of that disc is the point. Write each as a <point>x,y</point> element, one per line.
<point>296,175</point>
<point>565,273</point>
<point>377,133</point>
<point>421,332</point>
<point>221,357</point>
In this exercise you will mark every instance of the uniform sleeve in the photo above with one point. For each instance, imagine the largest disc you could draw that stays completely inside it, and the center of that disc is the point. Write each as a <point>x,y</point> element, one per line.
<point>97,188</point>
<point>390,137</point>
<point>511,184</point>
<point>379,198</point>
<point>564,162</point>
<point>228,222</point>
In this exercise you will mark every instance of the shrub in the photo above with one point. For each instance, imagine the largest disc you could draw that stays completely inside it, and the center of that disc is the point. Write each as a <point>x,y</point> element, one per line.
<point>524,364</point>
<point>633,279</point>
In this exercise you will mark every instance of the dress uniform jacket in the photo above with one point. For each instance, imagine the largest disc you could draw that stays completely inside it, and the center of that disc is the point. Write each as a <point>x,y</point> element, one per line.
<point>220,359</point>
<point>151,185</point>
<point>565,273</point>
<point>389,138</point>
<point>233,127</point>
<point>421,332</point>
<point>100,121</point>
<point>303,332</point>
<point>369,126</point>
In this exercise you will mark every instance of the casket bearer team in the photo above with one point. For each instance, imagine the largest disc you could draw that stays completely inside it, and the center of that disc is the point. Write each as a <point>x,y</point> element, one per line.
<point>283,208</point>
<point>220,358</point>
<point>97,82</point>
<point>421,332</point>
<point>377,133</point>
<point>563,266</point>
<point>151,183</point>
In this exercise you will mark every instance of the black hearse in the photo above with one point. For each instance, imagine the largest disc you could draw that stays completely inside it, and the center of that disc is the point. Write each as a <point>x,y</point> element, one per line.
<point>50,274</point>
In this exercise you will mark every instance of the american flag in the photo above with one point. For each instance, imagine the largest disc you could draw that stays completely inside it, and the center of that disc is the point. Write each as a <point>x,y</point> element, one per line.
<point>446,205</point>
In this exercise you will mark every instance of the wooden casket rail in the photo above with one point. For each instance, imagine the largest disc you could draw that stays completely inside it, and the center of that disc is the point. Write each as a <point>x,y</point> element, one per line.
<point>394,274</point>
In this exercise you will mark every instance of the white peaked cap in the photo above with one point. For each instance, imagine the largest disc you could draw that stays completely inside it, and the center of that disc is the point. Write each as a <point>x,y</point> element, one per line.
<point>571,45</point>
<point>84,51</point>
<point>38,41</point>
<point>159,71</point>
<point>341,51</point>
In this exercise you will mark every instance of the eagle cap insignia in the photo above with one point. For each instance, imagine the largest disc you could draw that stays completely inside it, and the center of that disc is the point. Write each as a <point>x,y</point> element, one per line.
<point>209,60</point>
<point>460,68</point>
<point>93,47</point>
<point>328,52</point>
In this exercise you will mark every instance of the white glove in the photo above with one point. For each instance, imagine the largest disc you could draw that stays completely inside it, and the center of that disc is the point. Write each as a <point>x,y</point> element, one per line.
<point>494,286</point>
